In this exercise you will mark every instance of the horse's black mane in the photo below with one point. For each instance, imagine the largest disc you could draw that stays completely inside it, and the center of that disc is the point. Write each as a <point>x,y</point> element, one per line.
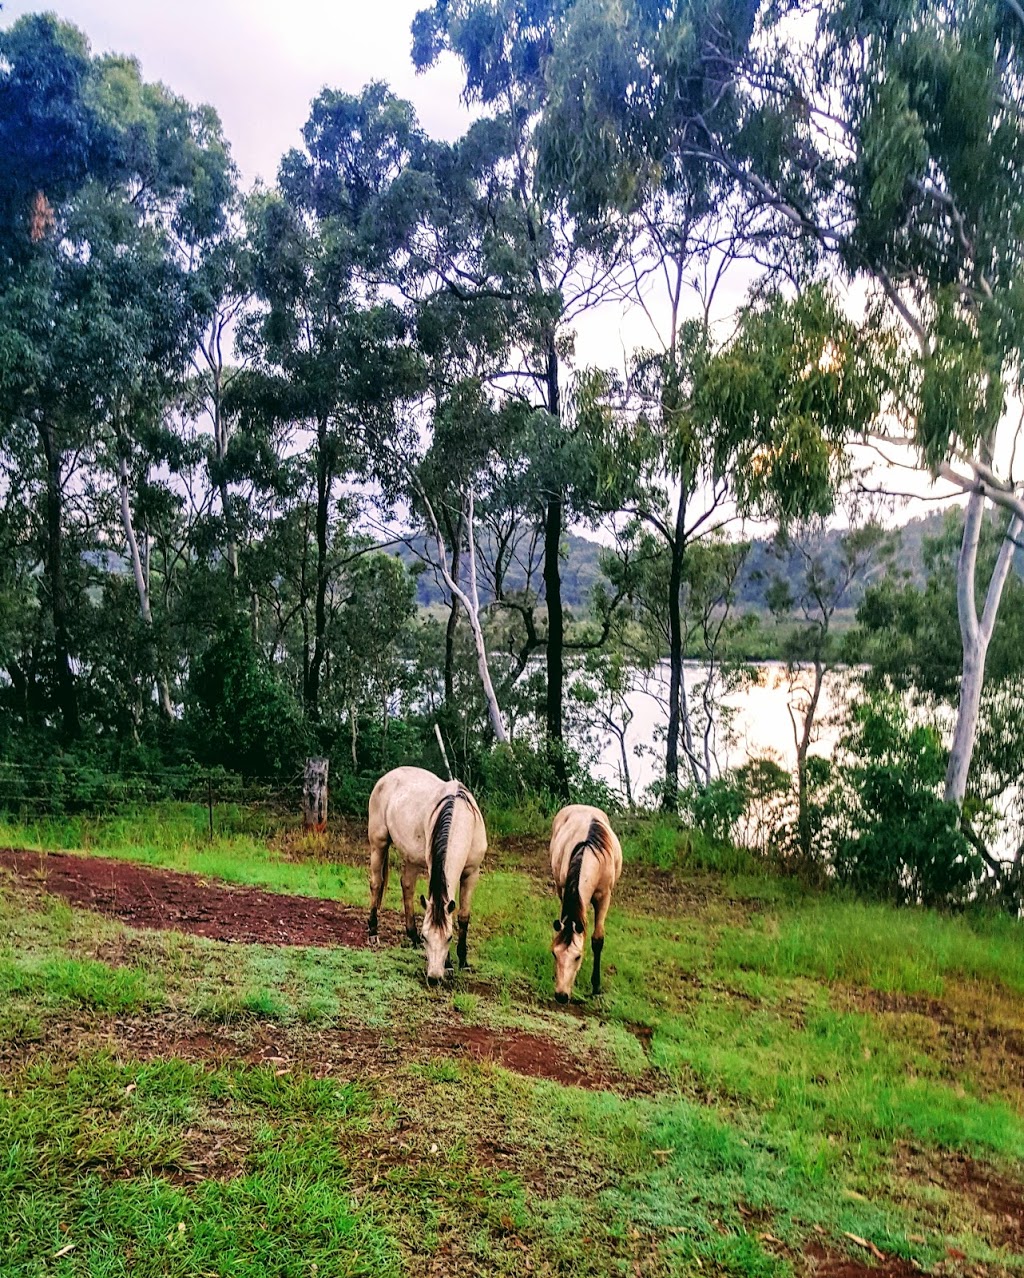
<point>572,906</point>
<point>439,851</point>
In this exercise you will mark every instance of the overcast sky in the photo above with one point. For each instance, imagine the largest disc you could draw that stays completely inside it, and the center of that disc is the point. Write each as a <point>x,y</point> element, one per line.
<point>260,63</point>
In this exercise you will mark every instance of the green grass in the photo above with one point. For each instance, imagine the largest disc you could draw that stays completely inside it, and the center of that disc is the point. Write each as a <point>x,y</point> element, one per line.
<point>781,1101</point>
<point>175,836</point>
<point>911,951</point>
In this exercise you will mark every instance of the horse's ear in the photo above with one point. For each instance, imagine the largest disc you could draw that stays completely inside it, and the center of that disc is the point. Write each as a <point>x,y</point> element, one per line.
<point>557,924</point>
<point>578,927</point>
<point>451,907</point>
<point>423,901</point>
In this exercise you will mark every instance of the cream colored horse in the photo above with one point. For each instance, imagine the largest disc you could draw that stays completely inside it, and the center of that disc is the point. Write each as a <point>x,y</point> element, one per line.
<point>437,827</point>
<point>586,861</point>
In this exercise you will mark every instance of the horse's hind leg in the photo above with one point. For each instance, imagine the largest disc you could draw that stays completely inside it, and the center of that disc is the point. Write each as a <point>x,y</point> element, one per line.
<point>601,905</point>
<point>466,889</point>
<point>409,875</point>
<point>380,844</point>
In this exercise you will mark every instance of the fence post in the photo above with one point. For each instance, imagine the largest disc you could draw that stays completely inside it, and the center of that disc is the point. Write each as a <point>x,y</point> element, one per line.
<point>209,803</point>
<point>314,795</point>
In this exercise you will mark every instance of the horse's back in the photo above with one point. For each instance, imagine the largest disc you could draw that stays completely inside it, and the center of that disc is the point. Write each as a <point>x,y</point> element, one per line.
<point>571,827</point>
<point>399,803</point>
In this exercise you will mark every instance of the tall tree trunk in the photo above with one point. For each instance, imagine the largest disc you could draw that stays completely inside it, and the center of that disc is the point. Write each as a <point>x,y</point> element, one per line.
<point>975,635</point>
<point>493,710</point>
<point>323,497</point>
<point>553,597</point>
<point>141,585</point>
<point>453,618</point>
<point>215,358</point>
<point>670,797</point>
<point>803,748</point>
<point>64,679</point>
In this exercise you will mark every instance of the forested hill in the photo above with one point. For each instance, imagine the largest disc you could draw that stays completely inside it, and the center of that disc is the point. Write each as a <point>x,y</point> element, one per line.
<point>581,566</point>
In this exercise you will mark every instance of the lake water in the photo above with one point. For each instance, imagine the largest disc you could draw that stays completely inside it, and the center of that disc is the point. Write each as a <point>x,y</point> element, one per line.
<point>759,715</point>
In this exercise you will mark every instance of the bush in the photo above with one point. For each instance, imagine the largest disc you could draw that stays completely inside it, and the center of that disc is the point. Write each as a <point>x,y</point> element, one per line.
<point>898,840</point>
<point>239,715</point>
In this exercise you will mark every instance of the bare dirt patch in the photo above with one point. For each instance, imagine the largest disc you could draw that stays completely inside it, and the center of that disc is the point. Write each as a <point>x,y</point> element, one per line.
<point>830,1264</point>
<point>349,1053</point>
<point>982,1036</point>
<point>141,896</point>
<point>993,1196</point>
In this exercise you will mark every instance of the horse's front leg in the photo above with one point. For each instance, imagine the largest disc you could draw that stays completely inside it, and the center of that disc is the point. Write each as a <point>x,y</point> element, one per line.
<point>601,905</point>
<point>467,887</point>
<point>409,876</point>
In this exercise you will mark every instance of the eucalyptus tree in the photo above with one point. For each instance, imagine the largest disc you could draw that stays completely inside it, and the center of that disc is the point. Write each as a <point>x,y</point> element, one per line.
<point>812,595</point>
<point>329,349</point>
<point>98,316</point>
<point>887,141</point>
<point>551,265</point>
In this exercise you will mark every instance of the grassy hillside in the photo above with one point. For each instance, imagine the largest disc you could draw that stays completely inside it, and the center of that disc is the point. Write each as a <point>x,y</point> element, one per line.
<point>774,1082</point>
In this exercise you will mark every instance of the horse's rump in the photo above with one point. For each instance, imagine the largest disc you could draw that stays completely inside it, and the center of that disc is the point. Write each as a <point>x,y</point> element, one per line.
<point>444,814</point>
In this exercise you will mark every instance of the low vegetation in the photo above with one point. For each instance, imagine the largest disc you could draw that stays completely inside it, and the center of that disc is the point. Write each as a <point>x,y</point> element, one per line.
<point>775,1079</point>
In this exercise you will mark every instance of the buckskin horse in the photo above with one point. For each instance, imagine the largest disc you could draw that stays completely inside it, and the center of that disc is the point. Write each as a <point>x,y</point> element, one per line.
<point>586,861</point>
<point>439,831</point>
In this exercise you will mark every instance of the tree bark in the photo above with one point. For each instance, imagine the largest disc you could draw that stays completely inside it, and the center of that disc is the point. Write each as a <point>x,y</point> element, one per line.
<point>314,795</point>
<point>213,351</point>
<point>64,679</point>
<point>670,796</point>
<point>141,585</point>
<point>803,747</point>
<point>975,636</point>
<point>471,602</point>
<point>323,496</point>
<point>453,620</point>
<point>555,651</point>
<point>494,711</point>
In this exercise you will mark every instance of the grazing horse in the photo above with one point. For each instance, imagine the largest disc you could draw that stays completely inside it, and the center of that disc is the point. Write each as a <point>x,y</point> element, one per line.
<point>437,827</point>
<point>586,861</point>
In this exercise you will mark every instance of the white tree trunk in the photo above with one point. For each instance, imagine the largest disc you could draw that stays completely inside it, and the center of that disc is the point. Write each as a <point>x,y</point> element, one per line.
<point>141,585</point>
<point>471,603</point>
<point>975,635</point>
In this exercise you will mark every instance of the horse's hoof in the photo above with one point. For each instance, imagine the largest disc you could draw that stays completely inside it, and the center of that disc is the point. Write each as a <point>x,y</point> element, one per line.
<point>561,999</point>
<point>466,967</point>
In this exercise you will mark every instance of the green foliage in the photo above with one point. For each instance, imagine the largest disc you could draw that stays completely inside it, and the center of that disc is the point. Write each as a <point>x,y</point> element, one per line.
<point>900,840</point>
<point>239,714</point>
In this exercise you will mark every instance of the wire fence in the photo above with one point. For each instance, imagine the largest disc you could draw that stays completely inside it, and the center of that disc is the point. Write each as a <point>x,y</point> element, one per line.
<point>59,788</point>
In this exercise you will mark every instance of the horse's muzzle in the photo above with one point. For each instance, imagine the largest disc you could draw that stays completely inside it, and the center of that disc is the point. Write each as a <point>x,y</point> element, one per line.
<point>434,981</point>
<point>561,998</point>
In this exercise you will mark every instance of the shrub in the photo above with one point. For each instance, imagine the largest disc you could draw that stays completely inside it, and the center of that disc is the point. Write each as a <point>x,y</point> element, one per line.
<point>898,840</point>
<point>239,714</point>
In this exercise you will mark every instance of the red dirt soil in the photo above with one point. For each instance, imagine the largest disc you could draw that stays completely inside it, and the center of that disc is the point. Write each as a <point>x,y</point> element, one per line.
<point>827,1264</point>
<point>144,897</point>
<point>343,1052</point>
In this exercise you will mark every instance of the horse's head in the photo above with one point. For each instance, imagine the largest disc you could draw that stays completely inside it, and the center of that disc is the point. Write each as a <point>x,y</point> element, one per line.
<point>567,948</point>
<point>437,937</point>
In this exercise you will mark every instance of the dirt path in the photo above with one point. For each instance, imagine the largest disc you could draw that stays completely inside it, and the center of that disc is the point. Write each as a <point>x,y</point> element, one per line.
<point>344,1052</point>
<point>145,897</point>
